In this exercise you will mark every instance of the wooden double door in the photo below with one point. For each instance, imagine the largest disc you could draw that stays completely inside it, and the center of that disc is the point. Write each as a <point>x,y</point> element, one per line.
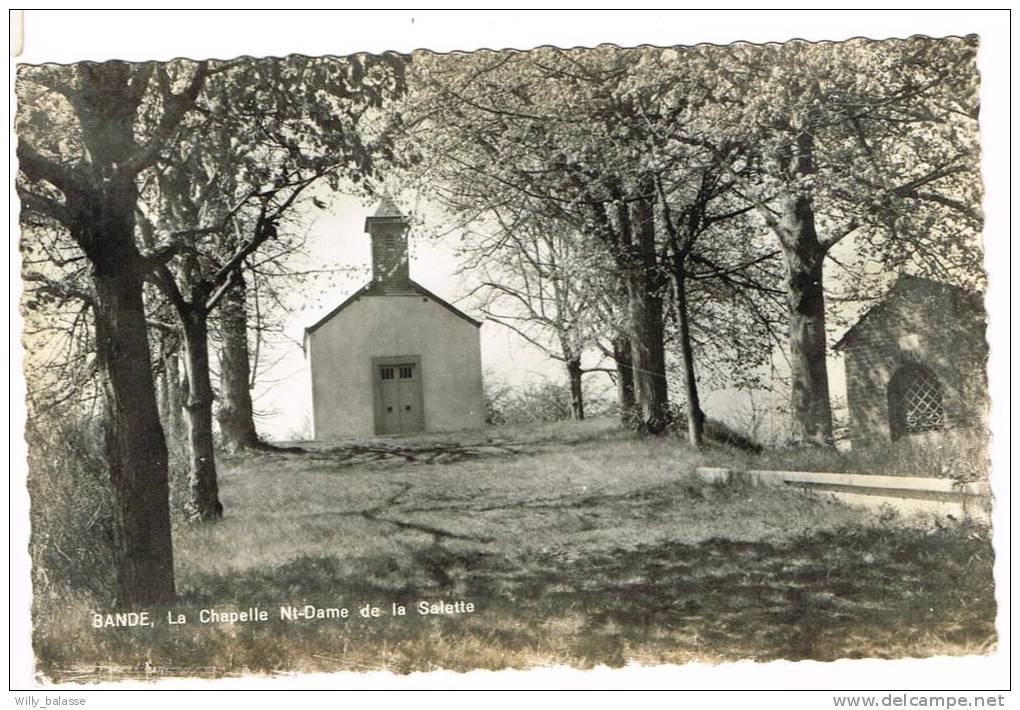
<point>398,395</point>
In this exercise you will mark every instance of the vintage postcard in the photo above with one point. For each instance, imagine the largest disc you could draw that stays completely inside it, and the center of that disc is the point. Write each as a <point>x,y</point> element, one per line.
<point>413,360</point>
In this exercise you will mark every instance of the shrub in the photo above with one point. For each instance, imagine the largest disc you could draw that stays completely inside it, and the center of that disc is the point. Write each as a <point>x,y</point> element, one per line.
<point>71,543</point>
<point>722,432</point>
<point>541,402</point>
<point>71,515</point>
<point>960,454</point>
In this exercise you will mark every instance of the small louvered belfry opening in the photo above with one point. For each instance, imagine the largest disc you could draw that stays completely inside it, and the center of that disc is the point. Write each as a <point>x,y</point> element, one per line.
<point>388,230</point>
<point>916,401</point>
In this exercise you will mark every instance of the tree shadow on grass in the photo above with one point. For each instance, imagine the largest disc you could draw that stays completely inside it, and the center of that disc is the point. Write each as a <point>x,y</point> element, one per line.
<point>856,592</point>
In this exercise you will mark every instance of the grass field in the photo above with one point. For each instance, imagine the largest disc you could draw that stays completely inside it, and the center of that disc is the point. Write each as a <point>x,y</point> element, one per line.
<point>576,544</point>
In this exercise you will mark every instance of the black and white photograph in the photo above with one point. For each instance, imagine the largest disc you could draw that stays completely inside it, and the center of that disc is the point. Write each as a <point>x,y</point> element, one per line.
<point>408,360</point>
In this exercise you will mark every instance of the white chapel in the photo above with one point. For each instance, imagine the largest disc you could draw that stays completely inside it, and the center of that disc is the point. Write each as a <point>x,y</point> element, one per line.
<point>394,358</point>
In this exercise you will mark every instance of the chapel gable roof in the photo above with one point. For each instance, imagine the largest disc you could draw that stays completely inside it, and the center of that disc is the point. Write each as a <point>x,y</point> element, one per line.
<point>376,288</point>
<point>910,288</point>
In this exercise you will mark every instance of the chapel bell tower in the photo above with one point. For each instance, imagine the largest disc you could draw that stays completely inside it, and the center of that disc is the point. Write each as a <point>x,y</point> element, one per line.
<point>388,230</point>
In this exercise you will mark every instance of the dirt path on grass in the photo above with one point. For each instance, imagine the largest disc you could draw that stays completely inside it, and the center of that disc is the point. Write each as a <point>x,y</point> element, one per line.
<point>573,493</point>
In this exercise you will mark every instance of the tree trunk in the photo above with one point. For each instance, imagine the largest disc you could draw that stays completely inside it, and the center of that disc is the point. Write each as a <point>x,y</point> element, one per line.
<point>136,447</point>
<point>162,395</point>
<point>695,417</point>
<point>171,406</point>
<point>805,300</point>
<point>574,372</point>
<point>648,356</point>
<point>625,379</point>
<point>175,390</point>
<point>236,413</point>
<point>204,503</point>
<point>646,327</point>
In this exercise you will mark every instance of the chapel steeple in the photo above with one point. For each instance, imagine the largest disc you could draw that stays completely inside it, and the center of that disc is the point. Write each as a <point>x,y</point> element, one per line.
<point>388,229</point>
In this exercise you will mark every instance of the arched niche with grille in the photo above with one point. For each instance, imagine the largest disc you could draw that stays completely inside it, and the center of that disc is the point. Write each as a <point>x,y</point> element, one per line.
<point>915,402</point>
